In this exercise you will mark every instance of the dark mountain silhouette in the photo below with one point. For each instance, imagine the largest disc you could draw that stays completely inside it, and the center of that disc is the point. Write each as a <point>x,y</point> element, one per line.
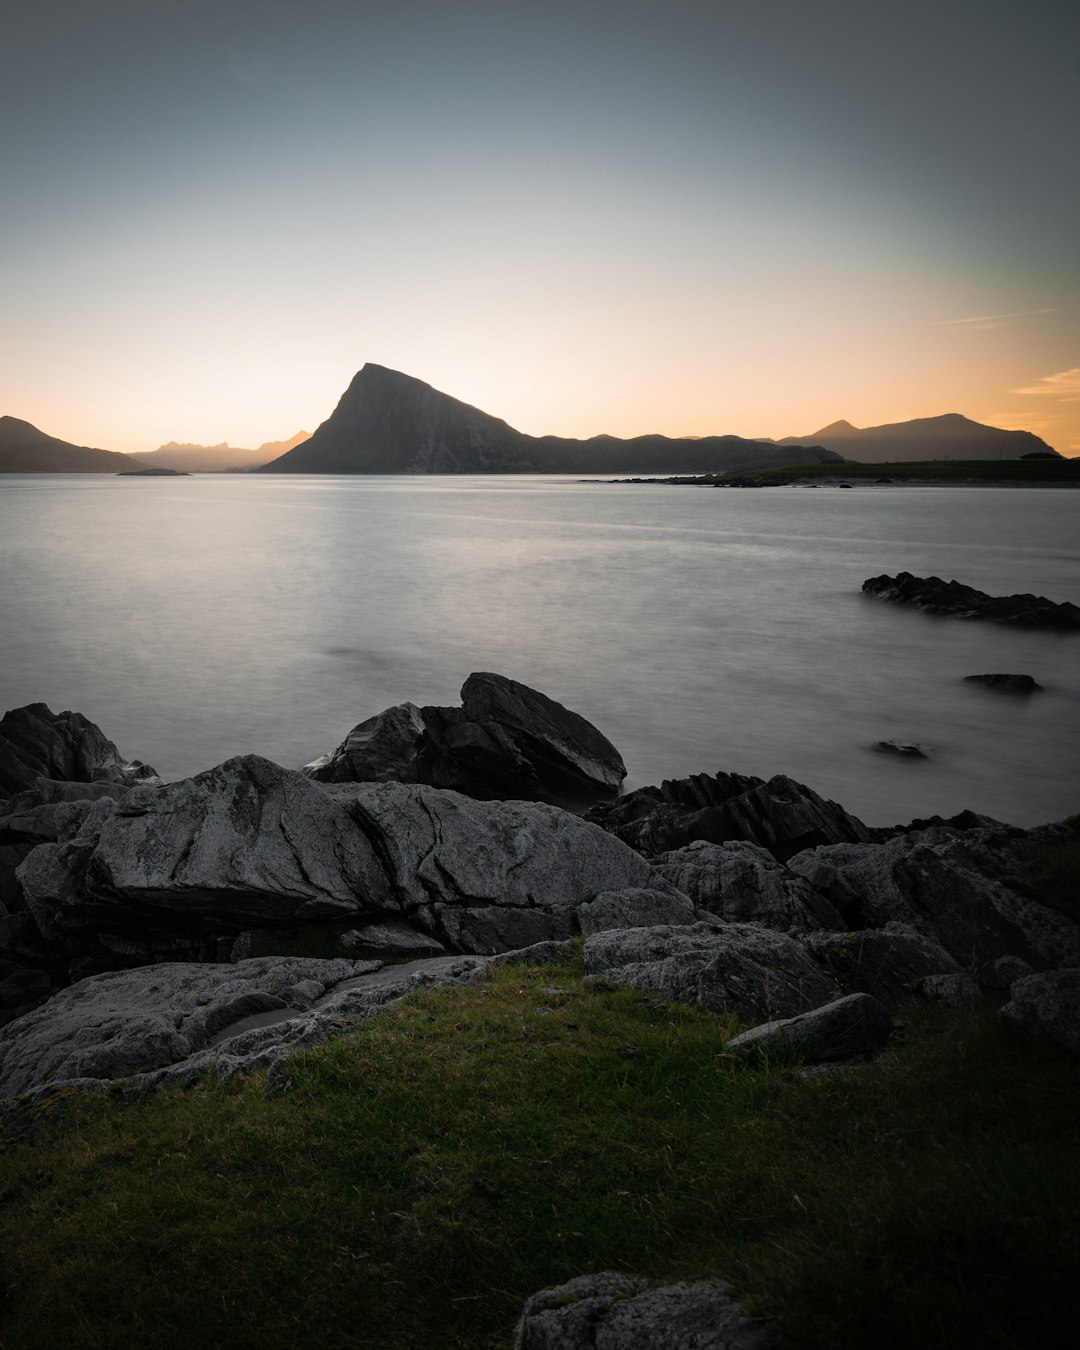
<point>387,422</point>
<point>951,436</point>
<point>25,449</point>
<point>190,458</point>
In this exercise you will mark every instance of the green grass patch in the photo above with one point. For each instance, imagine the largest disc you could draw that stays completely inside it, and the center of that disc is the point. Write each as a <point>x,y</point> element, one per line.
<point>420,1177</point>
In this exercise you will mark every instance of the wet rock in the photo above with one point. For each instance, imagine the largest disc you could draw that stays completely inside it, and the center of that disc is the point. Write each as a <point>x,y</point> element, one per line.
<point>937,882</point>
<point>891,963</point>
<point>744,883</point>
<point>935,596</point>
<point>634,908</point>
<point>907,749</point>
<point>37,743</point>
<point>506,741</point>
<point>781,815</point>
<point>1008,684</point>
<point>722,968</point>
<point>852,1027</point>
<point>611,1311</point>
<point>1049,1003</point>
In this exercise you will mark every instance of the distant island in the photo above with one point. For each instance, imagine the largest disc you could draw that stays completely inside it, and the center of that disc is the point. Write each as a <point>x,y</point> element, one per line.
<point>1052,470</point>
<point>221,458</point>
<point>153,472</point>
<point>950,436</point>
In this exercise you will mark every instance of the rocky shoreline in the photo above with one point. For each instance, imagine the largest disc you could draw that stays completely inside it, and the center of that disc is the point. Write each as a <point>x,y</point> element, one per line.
<point>146,924</point>
<point>158,933</point>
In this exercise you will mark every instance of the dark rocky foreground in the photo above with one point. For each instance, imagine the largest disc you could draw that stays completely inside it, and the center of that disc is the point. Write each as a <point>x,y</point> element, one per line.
<point>157,932</point>
<point>950,598</point>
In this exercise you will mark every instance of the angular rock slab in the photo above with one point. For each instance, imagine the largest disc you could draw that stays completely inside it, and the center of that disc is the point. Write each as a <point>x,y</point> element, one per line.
<point>506,741</point>
<point>490,875</point>
<point>611,1311</point>
<point>722,968</point>
<point>1048,1003</point>
<point>634,909</point>
<point>241,844</point>
<point>114,1025</point>
<point>781,815</point>
<point>743,883</point>
<point>934,882</point>
<point>850,1028</point>
<point>38,743</point>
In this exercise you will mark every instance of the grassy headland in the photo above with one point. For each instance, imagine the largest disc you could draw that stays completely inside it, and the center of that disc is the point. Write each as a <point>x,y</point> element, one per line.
<point>1054,471</point>
<point>417,1179</point>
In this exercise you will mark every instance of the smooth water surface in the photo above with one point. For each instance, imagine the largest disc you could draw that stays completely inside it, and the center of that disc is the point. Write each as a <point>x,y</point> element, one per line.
<point>198,618</point>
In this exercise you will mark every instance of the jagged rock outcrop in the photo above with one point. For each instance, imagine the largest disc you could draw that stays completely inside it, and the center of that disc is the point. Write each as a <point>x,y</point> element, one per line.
<point>723,968</point>
<point>849,1028</point>
<point>934,596</point>
<point>936,881</point>
<point>387,422</point>
<point>36,743</point>
<point>505,741</point>
<point>743,883</point>
<point>781,815</point>
<point>611,1311</point>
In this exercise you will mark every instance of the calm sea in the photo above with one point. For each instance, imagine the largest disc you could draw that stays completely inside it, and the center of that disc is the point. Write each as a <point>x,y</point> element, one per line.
<point>198,618</point>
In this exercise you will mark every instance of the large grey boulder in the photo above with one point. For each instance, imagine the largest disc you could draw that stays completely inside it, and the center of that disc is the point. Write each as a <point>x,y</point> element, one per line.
<point>611,1311</point>
<point>849,1028</point>
<point>505,741</point>
<point>490,875</point>
<point>936,882</point>
<point>781,815</point>
<point>38,743</point>
<point>721,967</point>
<point>239,845</point>
<point>743,883</point>
<point>1048,1003</point>
<point>891,963</point>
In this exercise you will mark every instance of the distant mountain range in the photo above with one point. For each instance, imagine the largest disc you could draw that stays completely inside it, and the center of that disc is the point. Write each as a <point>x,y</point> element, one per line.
<point>387,422</point>
<point>25,449</point>
<point>189,458</point>
<point>950,436</point>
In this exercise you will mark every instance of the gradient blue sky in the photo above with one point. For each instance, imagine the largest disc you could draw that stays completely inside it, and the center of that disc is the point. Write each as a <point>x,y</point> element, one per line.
<point>605,215</point>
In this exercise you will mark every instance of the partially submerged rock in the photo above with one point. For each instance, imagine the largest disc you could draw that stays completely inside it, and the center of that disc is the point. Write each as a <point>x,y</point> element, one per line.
<point>781,815</point>
<point>506,741</point>
<point>850,1028</point>
<point>611,1311</point>
<point>934,596</point>
<point>722,968</point>
<point>1008,684</point>
<point>906,749</point>
<point>37,743</point>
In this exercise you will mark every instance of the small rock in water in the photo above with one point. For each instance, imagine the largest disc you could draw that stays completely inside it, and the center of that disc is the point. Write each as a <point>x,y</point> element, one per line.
<point>1009,684</point>
<point>910,749</point>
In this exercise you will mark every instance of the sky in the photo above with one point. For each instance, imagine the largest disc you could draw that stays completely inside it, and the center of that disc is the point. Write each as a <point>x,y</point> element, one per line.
<point>681,216</point>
